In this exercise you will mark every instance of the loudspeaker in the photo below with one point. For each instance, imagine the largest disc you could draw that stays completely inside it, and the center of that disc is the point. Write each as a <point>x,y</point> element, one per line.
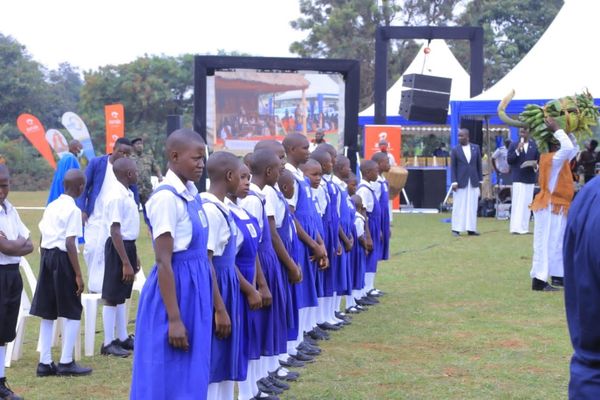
<point>434,187</point>
<point>414,187</point>
<point>427,82</point>
<point>475,128</point>
<point>174,122</point>
<point>428,99</point>
<point>425,114</point>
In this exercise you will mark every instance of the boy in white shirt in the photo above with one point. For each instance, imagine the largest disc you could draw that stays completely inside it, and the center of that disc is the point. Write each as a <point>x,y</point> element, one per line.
<point>121,260</point>
<point>60,284</point>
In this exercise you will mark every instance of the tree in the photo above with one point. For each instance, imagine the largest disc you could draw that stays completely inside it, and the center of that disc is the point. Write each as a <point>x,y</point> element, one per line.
<point>64,90</point>
<point>346,29</point>
<point>511,29</point>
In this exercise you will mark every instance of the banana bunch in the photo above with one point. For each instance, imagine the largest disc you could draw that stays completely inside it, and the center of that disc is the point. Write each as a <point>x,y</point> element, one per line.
<point>574,114</point>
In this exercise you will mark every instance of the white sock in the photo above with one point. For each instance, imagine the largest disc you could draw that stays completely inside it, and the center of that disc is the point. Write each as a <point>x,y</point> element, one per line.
<point>338,303</point>
<point>213,390</point>
<point>350,301</point>
<point>302,316</point>
<point>312,317</point>
<point>373,281</point>
<point>109,316</point>
<point>291,348</point>
<point>246,388</point>
<point>121,322</point>
<point>272,363</point>
<point>70,332</point>
<point>319,314</point>
<point>356,294</point>
<point>2,358</point>
<point>369,280</point>
<point>263,367</point>
<point>46,328</point>
<point>226,390</point>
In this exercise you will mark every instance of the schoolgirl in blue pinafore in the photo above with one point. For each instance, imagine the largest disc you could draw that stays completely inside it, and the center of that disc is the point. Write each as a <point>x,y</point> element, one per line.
<point>344,275</point>
<point>289,237</point>
<point>245,260</point>
<point>358,258</point>
<point>273,319</point>
<point>384,205</point>
<point>159,370</point>
<point>374,221</point>
<point>308,218</point>
<point>228,361</point>
<point>326,279</point>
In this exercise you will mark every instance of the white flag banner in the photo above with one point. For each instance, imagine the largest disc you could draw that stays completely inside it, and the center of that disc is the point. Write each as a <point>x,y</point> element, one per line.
<point>79,131</point>
<point>57,141</point>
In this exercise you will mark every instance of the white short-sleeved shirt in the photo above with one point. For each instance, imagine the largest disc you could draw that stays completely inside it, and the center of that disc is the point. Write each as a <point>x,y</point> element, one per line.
<point>321,199</point>
<point>297,172</point>
<point>377,186</point>
<point>61,219</point>
<point>168,213</point>
<point>218,228</point>
<point>274,204</point>
<point>253,204</point>
<point>359,224</point>
<point>366,195</point>
<point>122,209</point>
<point>340,183</point>
<point>13,227</point>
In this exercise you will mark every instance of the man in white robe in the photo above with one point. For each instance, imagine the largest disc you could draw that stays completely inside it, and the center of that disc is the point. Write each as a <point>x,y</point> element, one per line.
<point>466,177</point>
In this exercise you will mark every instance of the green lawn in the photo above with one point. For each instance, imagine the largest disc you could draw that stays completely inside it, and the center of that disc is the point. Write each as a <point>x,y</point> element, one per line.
<point>459,322</point>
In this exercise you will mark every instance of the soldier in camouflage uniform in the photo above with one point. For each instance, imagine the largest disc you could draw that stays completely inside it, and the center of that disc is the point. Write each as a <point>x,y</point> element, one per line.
<point>146,165</point>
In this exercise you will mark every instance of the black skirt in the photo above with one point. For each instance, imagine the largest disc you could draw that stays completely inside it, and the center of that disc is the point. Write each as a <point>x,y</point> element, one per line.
<point>56,291</point>
<point>114,290</point>
<point>11,286</point>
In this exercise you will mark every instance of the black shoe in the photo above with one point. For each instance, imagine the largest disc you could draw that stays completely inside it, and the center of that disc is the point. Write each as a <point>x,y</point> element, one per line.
<point>305,358</point>
<point>373,299</point>
<point>328,327</point>
<point>310,340</point>
<point>264,396</point>
<point>278,383</point>
<point>114,349</point>
<point>558,281</point>
<point>266,386</point>
<point>360,308</point>
<point>5,392</point>
<point>321,332</point>
<point>72,369</point>
<point>308,349</point>
<point>541,286</point>
<point>343,316</point>
<point>365,301</point>
<point>352,310</point>
<point>290,376</point>
<point>291,362</point>
<point>127,344</point>
<point>375,293</point>
<point>473,233</point>
<point>455,234</point>
<point>46,370</point>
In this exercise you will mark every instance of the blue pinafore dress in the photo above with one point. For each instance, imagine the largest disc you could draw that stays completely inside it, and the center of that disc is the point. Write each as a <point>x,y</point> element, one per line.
<point>358,258</point>
<point>309,219</point>
<point>289,237</point>
<point>246,263</point>
<point>159,370</point>
<point>374,218</point>
<point>227,357</point>
<point>384,204</point>
<point>326,279</point>
<point>344,275</point>
<point>273,319</point>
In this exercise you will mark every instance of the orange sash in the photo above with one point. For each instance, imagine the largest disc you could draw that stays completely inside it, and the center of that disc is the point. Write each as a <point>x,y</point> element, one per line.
<point>563,192</point>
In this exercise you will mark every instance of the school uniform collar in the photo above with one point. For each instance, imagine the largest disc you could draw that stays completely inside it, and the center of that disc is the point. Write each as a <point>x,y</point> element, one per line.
<point>187,190</point>
<point>296,171</point>
<point>359,215</point>
<point>214,199</point>
<point>254,188</point>
<point>327,178</point>
<point>380,178</point>
<point>67,198</point>
<point>364,182</point>
<point>122,189</point>
<point>339,182</point>
<point>9,207</point>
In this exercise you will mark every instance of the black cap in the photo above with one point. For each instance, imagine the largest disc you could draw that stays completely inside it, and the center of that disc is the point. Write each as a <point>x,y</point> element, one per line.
<point>135,140</point>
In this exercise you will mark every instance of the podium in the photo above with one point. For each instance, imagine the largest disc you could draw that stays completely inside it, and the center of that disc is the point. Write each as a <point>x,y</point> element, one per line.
<point>425,187</point>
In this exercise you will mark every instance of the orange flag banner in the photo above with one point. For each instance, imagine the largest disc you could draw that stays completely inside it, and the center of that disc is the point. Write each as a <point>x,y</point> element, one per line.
<point>115,124</point>
<point>391,134</point>
<point>33,130</point>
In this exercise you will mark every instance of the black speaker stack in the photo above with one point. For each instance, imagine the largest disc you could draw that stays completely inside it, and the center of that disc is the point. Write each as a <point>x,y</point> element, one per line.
<point>427,99</point>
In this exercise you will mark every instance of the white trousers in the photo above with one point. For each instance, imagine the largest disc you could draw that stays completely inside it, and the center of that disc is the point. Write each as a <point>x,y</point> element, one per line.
<point>522,196</point>
<point>95,235</point>
<point>464,209</point>
<point>548,234</point>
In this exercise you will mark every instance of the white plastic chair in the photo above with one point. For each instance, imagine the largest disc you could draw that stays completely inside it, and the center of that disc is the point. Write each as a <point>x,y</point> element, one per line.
<point>138,285</point>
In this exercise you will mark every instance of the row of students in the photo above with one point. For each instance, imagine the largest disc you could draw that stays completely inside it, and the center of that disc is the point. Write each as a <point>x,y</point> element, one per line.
<point>248,274</point>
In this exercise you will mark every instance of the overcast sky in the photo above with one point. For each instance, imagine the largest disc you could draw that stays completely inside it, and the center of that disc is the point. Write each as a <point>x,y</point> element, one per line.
<point>89,34</point>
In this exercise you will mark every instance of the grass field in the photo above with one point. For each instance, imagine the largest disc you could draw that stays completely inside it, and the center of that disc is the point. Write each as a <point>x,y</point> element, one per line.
<point>459,322</point>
